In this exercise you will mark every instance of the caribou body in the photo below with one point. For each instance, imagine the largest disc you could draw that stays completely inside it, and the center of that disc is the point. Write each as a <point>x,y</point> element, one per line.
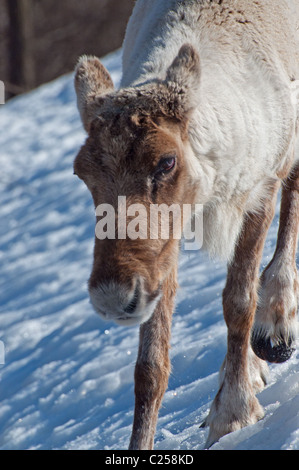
<point>207,113</point>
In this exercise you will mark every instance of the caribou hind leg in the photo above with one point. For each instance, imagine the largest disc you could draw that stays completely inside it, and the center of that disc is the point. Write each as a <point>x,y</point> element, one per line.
<point>275,326</point>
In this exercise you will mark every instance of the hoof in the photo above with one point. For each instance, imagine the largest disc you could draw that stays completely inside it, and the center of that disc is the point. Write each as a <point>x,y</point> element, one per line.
<point>204,424</point>
<point>275,353</point>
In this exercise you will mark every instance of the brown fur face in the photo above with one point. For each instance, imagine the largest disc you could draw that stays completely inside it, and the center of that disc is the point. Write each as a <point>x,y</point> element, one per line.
<point>134,150</point>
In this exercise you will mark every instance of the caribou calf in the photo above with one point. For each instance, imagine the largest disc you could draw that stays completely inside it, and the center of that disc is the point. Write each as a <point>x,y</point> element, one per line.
<point>207,113</point>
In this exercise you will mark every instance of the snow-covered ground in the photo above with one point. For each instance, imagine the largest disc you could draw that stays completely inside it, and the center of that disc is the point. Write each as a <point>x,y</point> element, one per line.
<point>67,381</point>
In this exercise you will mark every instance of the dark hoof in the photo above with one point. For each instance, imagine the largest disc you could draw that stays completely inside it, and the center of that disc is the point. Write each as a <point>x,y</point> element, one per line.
<point>203,425</point>
<point>278,354</point>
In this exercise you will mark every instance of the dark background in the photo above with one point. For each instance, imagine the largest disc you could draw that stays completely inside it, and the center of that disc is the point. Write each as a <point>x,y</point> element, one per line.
<point>42,39</point>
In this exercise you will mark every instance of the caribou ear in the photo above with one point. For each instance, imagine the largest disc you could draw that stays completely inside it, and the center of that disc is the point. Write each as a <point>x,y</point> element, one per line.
<point>183,81</point>
<point>92,81</point>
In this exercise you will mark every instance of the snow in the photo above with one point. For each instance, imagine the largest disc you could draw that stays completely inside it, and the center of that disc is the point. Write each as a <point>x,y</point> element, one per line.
<point>67,381</point>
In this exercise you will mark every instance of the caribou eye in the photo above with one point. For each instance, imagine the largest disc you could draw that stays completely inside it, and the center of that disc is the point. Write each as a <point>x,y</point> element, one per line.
<point>165,166</point>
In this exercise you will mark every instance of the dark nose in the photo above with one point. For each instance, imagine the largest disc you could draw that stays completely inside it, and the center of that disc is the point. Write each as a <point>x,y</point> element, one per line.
<point>134,302</point>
